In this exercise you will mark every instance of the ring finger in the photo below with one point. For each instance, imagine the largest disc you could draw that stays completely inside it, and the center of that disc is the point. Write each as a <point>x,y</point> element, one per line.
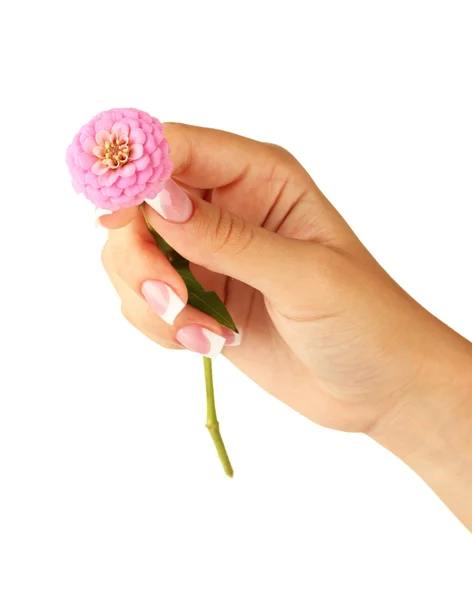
<point>154,295</point>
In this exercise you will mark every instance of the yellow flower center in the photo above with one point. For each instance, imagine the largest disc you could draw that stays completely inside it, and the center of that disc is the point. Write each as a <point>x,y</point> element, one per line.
<point>116,152</point>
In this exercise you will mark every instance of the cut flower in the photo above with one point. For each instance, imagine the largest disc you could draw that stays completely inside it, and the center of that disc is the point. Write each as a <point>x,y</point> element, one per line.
<point>119,159</point>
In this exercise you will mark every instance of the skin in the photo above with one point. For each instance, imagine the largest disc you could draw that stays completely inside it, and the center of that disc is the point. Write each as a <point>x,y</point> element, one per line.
<point>325,328</point>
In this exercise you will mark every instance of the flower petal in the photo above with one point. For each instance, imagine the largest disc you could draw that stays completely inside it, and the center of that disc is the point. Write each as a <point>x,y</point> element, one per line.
<point>70,159</point>
<point>112,191</point>
<point>99,168</point>
<point>164,146</point>
<point>124,182</point>
<point>78,187</point>
<point>109,177</point>
<point>150,144</point>
<point>146,127</point>
<point>93,194</point>
<point>77,150</point>
<point>168,167</point>
<point>133,123</point>
<point>86,131</point>
<point>116,114</point>
<point>153,189</point>
<point>133,114</point>
<point>143,176</point>
<point>134,190</point>
<point>136,151</point>
<point>104,124</point>
<point>137,136</point>
<point>145,116</point>
<point>120,128</point>
<point>79,175</point>
<point>157,133</point>
<point>98,198</point>
<point>92,179</point>
<point>156,157</point>
<point>142,163</point>
<point>156,174</point>
<point>125,201</point>
<point>127,170</point>
<point>99,152</point>
<point>102,137</point>
<point>89,144</point>
<point>86,160</point>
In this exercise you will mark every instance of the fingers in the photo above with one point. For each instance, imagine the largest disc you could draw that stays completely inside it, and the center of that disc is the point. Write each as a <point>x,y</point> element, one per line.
<point>154,296</point>
<point>210,158</point>
<point>187,333</point>
<point>119,218</point>
<point>133,256</point>
<point>225,243</point>
<point>124,216</point>
<point>138,312</point>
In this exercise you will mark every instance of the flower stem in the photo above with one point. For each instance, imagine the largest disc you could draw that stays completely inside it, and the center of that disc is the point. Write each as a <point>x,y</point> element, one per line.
<point>212,422</point>
<point>197,293</point>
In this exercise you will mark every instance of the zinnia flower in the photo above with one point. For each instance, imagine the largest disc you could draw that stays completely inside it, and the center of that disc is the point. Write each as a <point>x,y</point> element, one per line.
<point>120,158</point>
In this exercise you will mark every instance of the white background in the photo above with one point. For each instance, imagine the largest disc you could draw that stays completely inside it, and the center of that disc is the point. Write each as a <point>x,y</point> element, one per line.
<point>109,486</point>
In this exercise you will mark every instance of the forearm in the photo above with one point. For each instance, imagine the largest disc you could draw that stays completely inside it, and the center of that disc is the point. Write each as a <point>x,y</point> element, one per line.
<point>431,430</point>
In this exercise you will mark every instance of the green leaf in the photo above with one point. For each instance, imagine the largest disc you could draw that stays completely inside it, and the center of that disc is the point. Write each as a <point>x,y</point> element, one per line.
<point>208,302</point>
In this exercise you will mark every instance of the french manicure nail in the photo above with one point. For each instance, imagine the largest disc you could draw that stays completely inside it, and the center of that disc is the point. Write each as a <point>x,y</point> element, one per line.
<point>162,299</point>
<point>201,340</point>
<point>172,203</point>
<point>100,212</point>
<point>232,338</point>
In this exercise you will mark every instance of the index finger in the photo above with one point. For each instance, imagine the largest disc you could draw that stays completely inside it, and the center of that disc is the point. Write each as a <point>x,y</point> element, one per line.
<point>210,158</point>
<point>205,158</point>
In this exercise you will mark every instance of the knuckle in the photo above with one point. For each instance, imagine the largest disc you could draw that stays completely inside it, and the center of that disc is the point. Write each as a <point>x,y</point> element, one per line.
<point>221,230</point>
<point>171,125</point>
<point>280,150</point>
<point>229,234</point>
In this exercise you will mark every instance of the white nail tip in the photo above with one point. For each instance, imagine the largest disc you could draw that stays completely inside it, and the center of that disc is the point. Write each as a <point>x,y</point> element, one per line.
<point>100,212</point>
<point>156,204</point>
<point>174,307</point>
<point>216,343</point>
<point>237,339</point>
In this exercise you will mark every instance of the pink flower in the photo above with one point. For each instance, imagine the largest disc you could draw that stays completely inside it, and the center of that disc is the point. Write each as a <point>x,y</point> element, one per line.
<point>120,158</point>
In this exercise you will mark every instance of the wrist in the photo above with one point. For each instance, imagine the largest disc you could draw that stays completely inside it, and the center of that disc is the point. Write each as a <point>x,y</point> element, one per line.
<point>430,429</point>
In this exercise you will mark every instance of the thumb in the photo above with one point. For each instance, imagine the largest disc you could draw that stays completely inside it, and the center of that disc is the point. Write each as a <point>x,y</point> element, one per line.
<point>225,243</point>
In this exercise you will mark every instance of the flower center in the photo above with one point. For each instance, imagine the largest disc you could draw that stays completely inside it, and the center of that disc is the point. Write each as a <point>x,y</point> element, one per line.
<point>116,151</point>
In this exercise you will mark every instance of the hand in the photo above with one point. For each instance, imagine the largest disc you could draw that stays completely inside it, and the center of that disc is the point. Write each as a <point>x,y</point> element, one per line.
<point>325,329</point>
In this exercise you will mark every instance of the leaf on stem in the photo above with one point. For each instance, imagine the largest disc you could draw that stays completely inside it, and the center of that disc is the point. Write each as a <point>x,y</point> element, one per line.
<point>208,302</point>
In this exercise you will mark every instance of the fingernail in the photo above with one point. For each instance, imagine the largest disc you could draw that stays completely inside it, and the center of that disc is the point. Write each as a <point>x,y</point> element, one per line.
<point>100,212</point>
<point>162,299</point>
<point>232,338</point>
<point>201,340</point>
<point>172,203</point>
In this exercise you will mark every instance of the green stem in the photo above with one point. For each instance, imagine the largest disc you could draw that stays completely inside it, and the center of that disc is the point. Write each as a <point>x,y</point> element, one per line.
<point>209,303</point>
<point>212,422</point>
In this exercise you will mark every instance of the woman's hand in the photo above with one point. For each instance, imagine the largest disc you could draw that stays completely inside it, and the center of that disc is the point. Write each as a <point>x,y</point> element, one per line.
<point>326,330</point>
